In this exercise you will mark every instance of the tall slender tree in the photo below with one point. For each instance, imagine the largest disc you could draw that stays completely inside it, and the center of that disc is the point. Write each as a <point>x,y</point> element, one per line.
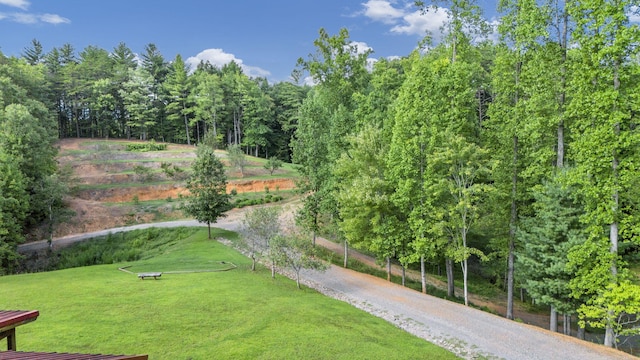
<point>604,110</point>
<point>179,107</point>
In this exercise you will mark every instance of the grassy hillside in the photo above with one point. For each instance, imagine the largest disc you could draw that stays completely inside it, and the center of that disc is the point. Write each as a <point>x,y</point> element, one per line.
<point>225,314</point>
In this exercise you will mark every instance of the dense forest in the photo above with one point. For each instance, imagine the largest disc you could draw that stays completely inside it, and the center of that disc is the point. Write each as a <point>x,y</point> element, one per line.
<point>513,159</point>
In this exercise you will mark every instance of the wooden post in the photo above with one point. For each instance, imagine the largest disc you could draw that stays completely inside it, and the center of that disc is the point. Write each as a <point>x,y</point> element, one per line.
<point>11,339</point>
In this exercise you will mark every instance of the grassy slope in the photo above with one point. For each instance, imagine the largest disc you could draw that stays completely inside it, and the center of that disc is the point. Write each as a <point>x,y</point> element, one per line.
<point>232,314</point>
<point>117,147</point>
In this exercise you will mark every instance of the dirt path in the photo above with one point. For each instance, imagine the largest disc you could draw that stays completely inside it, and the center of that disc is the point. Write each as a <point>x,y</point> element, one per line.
<point>468,332</point>
<point>479,301</point>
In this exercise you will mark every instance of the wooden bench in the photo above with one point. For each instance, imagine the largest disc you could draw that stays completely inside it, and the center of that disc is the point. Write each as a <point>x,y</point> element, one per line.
<point>17,355</point>
<point>9,320</point>
<point>154,275</point>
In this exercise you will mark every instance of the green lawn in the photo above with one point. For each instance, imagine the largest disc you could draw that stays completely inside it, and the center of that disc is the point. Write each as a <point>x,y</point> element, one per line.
<point>227,314</point>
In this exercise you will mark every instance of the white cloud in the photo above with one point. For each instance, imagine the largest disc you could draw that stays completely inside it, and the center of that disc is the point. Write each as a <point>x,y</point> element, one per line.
<point>20,4</point>
<point>309,81</point>
<point>54,19</point>
<point>24,18</point>
<point>29,18</point>
<point>383,11</point>
<point>417,23</point>
<point>219,58</point>
<point>361,47</point>
<point>634,14</point>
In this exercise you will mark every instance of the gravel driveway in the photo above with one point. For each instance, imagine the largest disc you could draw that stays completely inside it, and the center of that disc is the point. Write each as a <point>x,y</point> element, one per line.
<point>468,332</point>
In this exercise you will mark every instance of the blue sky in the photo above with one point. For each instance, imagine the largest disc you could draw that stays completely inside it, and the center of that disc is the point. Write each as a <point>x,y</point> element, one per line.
<point>265,37</point>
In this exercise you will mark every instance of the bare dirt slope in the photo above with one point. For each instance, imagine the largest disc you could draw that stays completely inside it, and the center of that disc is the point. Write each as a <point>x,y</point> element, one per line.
<point>104,172</point>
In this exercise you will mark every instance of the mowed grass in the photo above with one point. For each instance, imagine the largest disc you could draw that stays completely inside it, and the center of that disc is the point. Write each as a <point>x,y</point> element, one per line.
<point>236,314</point>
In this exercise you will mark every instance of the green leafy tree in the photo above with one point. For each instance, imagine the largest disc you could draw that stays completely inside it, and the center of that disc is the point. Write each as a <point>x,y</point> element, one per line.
<point>616,308</point>
<point>273,164</point>
<point>14,200</point>
<point>460,171</point>
<point>260,227</point>
<point>237,158</point>
<point>367,213</point>
<point>208,188</point>
<point>310,152</point>
<point>53,189</point>
<point>604,112</point>
<point>339,67</point>
<point>407,158</point>
<point>293,251</point>
<point>527,117</point>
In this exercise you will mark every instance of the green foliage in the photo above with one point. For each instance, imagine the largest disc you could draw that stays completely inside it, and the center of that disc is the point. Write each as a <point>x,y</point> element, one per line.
<point>237,158</point>
<point>273,164</point>
<point>618,308</point>
<point>208,187</point>
<point>296,252</point>
<point>146,146</point>
<point>260,227</point>
<point>173,171</point>
<point>180,105</point>
<point>143,173</point>
<point>548,236</point>
<point>369,220</point>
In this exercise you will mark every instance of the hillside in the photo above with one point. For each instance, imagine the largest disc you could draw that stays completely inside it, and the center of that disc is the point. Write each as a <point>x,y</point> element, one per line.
<point>112,190</point>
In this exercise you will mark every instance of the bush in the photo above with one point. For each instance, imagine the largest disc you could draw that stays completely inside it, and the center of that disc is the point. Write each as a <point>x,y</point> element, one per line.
<point>143,173</point>
<point>172,171</point>
<point>273,164</point>
<point>147,146</point>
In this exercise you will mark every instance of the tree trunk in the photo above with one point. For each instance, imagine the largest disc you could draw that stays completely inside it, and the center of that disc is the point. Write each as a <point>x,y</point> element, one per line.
<point>581,332</point>
<point>346,253</point>
<point>451,286</point>
<point>567,324</point>
<point>464,281</point>
<point>609,336</point>
<point>423,275</point>
<point>388,268</point>
<point>186,124</point>
<point>403,275</point>
<point>553,320</point>
<point>253,262</point>
<point>209,228</point>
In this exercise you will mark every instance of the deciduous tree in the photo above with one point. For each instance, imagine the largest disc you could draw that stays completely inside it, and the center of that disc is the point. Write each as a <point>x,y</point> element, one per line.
<point>207,186</point>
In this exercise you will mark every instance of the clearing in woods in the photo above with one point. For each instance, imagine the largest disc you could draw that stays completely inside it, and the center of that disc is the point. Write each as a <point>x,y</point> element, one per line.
<point>112,194</point>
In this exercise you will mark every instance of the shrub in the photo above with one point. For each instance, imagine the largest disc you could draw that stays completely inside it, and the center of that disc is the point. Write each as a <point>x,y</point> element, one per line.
<point>273,164</point>
<point>143,173</point>
<point>146,146</point>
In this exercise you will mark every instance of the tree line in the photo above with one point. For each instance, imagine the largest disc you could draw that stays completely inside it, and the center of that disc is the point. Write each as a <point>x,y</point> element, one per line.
<point>514,159</point>
<point>116,94</point>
